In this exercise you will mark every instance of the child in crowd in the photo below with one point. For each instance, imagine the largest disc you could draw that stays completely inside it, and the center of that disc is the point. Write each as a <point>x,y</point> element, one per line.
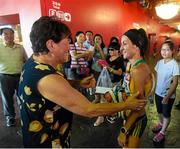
<point>167,80</point>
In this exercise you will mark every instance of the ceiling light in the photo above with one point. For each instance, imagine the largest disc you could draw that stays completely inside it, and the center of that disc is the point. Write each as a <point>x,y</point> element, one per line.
<point>167,10</point>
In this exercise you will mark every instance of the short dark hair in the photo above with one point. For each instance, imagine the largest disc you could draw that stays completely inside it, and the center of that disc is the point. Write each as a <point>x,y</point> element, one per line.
<point>89,32</point>
<point>79,32</point>
<point>46,28</point>
<point>2,29</point>
<point>170,44</point>
<point>114,45</point>
<point>114,38</point>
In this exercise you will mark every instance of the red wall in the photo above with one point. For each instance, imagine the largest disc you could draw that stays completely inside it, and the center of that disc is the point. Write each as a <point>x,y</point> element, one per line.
<point>109,17</point>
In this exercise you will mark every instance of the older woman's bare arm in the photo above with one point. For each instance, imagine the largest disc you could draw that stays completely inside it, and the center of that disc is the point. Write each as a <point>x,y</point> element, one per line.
<point>58,90</point>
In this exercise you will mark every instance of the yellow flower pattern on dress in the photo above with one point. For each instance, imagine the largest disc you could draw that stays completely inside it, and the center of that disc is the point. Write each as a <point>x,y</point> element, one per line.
<point>35,126</point>
<point>37,62</point>
<point>43,137</point>
<point>48,116</point>
<point>67,144</point>
<point>56,143</point>
<point>59,67</point>
<point>42,67</point>
<point>43,100</point>
<point>56,125</point>
<point>63,128</point>
<point>21,101</point>
<point>40,106</point>
<point>21,123</point>
<point>67,139</point>
<point>21,98</point>
<point>27,90</point>
<point>31,107</point>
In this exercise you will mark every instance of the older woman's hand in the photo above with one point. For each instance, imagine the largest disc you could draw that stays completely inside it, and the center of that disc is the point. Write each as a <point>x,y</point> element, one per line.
<point>134,103</point>
<point>88,82</point>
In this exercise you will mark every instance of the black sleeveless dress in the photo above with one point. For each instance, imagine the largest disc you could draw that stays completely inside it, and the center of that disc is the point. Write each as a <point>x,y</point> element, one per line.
<point>44,123</point>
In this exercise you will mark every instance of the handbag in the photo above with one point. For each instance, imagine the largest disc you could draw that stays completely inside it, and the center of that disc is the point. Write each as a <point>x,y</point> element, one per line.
<point>104,83</point>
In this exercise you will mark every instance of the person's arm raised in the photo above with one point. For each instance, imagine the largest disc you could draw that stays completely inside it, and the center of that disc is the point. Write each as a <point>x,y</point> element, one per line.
<point>58,90</point>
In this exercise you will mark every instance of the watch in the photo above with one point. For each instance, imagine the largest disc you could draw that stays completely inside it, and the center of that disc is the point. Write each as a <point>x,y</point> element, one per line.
<point>124,130</point>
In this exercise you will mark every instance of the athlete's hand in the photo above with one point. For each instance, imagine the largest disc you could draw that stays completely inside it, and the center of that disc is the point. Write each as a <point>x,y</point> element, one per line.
<point>122,139</point>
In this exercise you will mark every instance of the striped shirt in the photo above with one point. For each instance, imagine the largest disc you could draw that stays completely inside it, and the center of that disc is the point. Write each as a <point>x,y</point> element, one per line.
<point>75,50</point>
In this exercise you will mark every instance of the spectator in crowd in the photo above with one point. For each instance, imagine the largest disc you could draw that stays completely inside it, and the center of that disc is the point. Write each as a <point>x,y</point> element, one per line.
<point>116,64</point>
<point>89,40</point>
<point>12,58</point>
<point>100,52</point>
<point>88,44</point>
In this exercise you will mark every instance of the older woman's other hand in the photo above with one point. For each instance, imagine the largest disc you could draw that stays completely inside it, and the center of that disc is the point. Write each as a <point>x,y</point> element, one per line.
<point>134,103</point>
<point>88,82</point>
